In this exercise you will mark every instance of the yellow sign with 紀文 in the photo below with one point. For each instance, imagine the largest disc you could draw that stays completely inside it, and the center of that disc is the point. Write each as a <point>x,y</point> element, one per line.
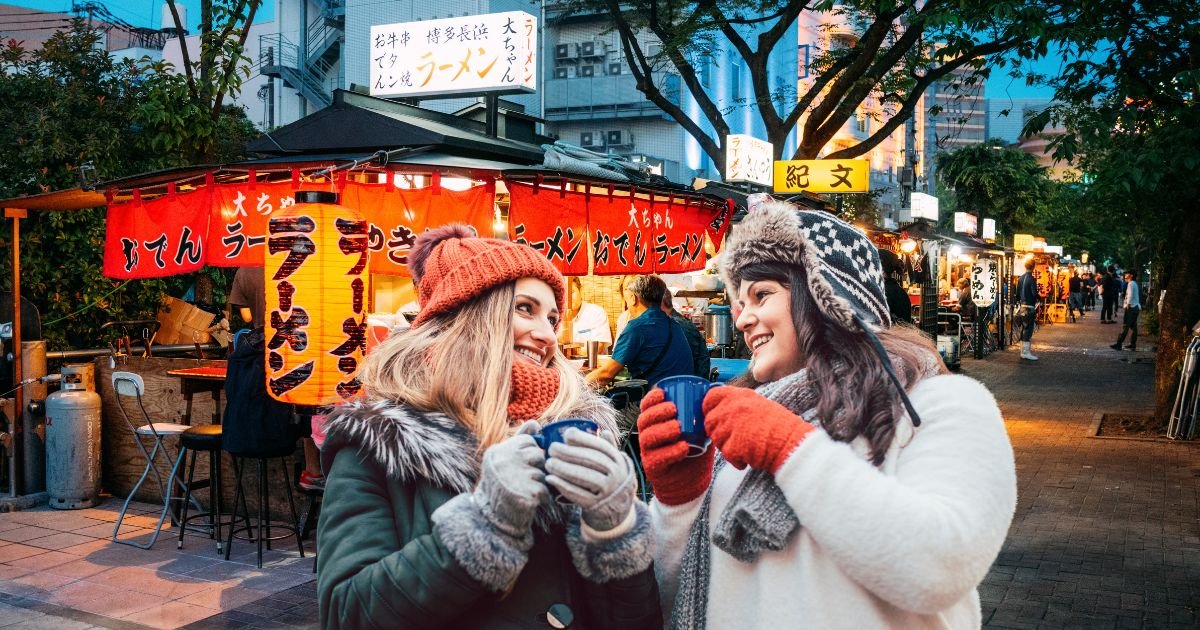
<point>823,176</point>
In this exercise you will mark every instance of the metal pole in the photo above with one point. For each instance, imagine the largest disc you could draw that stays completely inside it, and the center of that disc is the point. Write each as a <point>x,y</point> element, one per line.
<point>492,108</point>
<point>16,470</point>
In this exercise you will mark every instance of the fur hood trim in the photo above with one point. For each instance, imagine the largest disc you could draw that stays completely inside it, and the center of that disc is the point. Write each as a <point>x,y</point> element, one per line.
<point>423,446</point>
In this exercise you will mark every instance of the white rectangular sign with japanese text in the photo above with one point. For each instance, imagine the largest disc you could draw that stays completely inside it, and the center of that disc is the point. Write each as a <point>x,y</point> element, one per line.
<point>472,54</point>
<point>748,159</point>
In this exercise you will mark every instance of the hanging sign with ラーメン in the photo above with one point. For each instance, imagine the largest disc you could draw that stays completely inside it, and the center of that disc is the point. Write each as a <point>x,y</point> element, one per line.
<point>983,282</point>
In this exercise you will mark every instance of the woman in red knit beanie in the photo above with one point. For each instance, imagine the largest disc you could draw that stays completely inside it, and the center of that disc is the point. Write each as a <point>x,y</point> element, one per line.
<point>438,509</point>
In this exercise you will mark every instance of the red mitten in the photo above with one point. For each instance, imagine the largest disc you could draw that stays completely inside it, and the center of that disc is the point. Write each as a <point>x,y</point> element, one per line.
<point>677,479</point>
<point>751,430</point>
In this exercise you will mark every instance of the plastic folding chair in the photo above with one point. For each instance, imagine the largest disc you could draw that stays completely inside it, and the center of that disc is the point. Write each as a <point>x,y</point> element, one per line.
<point>128,384</point>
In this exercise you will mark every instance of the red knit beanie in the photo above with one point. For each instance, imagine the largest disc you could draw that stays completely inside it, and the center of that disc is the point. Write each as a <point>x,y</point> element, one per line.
<point>451,265</point>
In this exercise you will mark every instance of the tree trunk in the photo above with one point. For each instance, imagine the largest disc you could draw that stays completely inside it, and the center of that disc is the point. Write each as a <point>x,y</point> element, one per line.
<point>1180,311</point>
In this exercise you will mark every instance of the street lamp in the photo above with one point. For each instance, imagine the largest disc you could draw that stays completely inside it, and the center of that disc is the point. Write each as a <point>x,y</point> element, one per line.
<point>1083,256</point>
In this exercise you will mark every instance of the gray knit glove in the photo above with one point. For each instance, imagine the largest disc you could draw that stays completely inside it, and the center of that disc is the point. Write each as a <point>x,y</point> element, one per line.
<point>511,482</point>
<point>591,473</point>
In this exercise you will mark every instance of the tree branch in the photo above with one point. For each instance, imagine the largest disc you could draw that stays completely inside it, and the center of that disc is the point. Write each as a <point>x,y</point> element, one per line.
<point>643,76</point>
<point>687,74</point>
<point>187,62</point>
<point>231,62</point>
<point>864,54</point>
<point>910,103</point>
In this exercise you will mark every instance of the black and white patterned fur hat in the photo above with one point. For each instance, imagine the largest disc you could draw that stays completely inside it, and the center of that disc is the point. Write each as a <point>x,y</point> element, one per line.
<point>845,277</point>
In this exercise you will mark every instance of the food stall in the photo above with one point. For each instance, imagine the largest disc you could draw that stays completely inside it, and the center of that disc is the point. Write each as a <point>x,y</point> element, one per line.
<point>413,170</point>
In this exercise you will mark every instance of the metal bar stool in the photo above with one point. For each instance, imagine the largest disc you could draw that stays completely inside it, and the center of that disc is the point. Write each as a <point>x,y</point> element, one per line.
<point>197,439</point>
<point>127,384</point>
<point>260,530</point>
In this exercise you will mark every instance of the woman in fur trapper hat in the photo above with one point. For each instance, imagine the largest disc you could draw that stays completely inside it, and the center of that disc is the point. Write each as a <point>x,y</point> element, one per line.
<point>437,510</point>
<point>855,483</point>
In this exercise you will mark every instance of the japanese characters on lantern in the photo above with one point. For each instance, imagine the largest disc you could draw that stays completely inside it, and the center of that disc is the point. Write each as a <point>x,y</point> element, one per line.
<point>316,308</point>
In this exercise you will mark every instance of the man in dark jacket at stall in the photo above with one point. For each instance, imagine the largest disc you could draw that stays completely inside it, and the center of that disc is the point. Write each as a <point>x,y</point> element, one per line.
<point>701,364</point>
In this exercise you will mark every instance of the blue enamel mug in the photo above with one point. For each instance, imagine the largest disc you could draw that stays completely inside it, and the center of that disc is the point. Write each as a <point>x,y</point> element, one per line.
<point>553,432</point>
<point>687,392</point>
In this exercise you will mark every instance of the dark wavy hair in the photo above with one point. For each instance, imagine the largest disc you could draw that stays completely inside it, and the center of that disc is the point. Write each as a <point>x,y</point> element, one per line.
<point>854,394</point>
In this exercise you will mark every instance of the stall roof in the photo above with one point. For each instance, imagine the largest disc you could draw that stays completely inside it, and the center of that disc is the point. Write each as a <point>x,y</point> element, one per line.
<point>356,123</point>
<point>967,240</point>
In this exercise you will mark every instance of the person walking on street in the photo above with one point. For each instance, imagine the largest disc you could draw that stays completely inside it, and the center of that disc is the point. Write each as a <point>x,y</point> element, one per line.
<point>1133,308</point>
<point>1075,297</point>
<point>820,503</point>
<point>1110,290</point>
<point>1027,296</point>
<point>1089,292</point>
<point>438,510</point>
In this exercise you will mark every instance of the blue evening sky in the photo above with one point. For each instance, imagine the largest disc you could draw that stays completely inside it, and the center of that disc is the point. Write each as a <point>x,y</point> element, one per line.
<point>148,13</point>
<point>145,13</point>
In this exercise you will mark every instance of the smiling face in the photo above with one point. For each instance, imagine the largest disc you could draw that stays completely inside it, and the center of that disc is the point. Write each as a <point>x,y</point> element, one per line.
<point>764,315</point>
<point>535,318</point>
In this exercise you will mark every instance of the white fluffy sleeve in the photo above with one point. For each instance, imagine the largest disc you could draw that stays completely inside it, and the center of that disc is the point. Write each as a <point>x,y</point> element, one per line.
<point>924,536</point>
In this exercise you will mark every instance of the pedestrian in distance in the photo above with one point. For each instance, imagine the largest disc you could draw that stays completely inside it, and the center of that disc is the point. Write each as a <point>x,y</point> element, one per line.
<point>1111,290</point>
<point>438,509</point>
<point>1075,295</point>
<point>899,306</point>
<point>1133,308</point>
<point>853,483</point>
<point>1027,299</point>
<point>1089,292</point>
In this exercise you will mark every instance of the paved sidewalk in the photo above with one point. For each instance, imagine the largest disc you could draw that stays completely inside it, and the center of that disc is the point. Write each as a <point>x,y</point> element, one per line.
<point>1107,530</point>
<point>59,570</point>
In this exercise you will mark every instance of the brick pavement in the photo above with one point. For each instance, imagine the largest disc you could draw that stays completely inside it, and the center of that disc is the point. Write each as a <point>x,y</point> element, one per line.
<point>1107,530</point>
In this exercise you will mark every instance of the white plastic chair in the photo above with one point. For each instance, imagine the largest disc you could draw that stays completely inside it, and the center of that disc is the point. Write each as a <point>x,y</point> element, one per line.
<point>128,384</point>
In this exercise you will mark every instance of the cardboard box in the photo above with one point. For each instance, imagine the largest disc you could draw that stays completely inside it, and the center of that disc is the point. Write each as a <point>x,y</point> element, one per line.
<point>180,322</point>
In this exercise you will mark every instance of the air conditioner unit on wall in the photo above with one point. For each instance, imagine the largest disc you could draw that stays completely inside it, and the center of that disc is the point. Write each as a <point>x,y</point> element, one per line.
<point>590,140</point>
<point>593,49</point>
<point>587,71</point>
<point>615,68</point>
<point>565,52</point>
<point>562,73</point>
<point>618,138</point>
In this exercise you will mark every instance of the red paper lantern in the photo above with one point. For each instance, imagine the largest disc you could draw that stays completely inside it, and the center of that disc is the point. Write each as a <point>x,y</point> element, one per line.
<point>316,312</point>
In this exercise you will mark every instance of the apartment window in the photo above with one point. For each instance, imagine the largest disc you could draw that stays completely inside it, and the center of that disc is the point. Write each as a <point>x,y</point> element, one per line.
<point>861,123</point>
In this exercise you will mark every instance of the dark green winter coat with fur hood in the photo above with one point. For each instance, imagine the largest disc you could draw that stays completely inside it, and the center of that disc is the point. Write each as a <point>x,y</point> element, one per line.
<point>403,546</point>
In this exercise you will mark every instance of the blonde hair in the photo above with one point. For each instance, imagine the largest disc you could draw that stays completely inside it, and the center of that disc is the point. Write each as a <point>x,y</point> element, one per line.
<point>460,364</point>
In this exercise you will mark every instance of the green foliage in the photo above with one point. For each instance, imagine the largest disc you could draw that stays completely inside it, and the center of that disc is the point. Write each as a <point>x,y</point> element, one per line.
<point>994,181</point>
<point>69,105</point>
<point>1128,102</point>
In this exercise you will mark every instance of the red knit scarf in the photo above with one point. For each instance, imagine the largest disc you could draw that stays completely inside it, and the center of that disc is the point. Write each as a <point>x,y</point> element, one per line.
<point>531,391</point>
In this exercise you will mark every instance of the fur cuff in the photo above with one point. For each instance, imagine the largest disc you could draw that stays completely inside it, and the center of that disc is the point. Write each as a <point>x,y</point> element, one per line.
<point>606,560</point>
<point>492,557</point>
